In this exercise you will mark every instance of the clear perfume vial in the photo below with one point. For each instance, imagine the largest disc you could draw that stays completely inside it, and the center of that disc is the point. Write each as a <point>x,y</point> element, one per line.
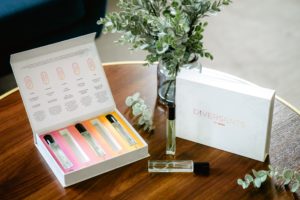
<point>60,155</point>
<point>106,135</point>
<point>171,134</point>
<point>74,146</point>
<point>130,140</point>
<point>90,140</point>
<point>169,166</point>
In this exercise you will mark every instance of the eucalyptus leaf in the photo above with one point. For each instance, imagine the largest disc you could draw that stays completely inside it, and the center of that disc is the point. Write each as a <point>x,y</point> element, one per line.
<point>288,174</point>
<point>271,167</point>
<point>245,185</point>
<point>129,101</point>
<point>248,178</point>
<point>295,186</point>
<point>263,178</point>
<point>142,113</point>
<point>297,176</point>
<point>240,181</point>
<point>141,120</point>
<point>262,174</point>
<point>136,96</point>
<point>136,109</point>
<point>257,182</point>
<point>144,46</point>
<point>271,173</point>
<point>255,173</point>
<point>286,181</point>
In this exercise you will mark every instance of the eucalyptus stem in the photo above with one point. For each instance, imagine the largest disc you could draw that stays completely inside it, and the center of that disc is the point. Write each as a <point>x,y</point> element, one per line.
<point>141,112</point>
<point>168,88</point>
<point>282,178</point>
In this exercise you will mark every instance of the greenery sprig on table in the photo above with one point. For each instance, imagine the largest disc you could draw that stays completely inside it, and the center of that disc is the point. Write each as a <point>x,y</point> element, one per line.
<point>170,30</point>
<point>286,177</point>
<point>140,111</point>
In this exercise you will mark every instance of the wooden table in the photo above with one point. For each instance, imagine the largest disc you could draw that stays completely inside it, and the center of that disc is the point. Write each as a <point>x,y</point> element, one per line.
<point>24,173</point>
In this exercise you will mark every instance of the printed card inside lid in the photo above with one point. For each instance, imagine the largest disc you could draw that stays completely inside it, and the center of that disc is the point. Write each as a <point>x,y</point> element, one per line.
<point>62,83</point>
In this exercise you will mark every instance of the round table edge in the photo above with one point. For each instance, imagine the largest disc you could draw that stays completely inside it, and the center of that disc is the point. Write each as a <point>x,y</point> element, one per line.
<point>282,100</point>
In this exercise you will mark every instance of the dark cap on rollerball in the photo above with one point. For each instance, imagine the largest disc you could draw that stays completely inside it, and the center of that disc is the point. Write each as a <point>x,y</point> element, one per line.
<point>201,168</point>
<point>171,112</point>
<point>111,118</point>
<point>49,139</point>
<point>80,128</point>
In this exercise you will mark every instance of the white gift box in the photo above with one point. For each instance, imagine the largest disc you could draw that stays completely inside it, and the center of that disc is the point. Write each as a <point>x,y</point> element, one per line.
<point>63,84</point>
<point>224,112</point>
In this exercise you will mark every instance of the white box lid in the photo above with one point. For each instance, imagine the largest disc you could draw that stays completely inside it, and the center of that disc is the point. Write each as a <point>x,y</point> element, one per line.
<point>225,81</point>
<point>62,83</point>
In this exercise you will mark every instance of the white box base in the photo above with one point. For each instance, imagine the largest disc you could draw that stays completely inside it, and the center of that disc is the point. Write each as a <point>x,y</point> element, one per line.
<point>215,110</point>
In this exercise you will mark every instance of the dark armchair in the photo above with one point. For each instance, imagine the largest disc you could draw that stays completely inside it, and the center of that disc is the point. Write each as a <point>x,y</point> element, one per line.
<point>26,24</point>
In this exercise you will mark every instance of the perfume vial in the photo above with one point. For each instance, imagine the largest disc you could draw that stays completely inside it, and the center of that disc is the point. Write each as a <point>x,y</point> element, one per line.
<point>77,150</point>
<point>106,135</point>
<point>171,136</point>
<point>90,140</point>
<point>168,166</point>
<point>60,155</point>
<point>120,129</point>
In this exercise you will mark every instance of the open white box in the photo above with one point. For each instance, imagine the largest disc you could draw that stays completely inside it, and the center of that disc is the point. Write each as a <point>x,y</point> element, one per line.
<point>62,84</point>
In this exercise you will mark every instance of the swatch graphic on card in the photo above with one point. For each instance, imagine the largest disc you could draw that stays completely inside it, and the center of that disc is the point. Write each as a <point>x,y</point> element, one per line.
<point>91,64</point>
<point>45,78</point>
<point>76,68</point>
<point>86,100</point>
<point>28,82</point>
<point>71,105</point>
<point>55,110</point>
<point>39,115</point>
<point>101,96</point>
<point>60,73</point>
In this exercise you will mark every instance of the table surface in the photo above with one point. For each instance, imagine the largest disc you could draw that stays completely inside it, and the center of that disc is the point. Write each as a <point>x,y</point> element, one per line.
<point>24,173</point>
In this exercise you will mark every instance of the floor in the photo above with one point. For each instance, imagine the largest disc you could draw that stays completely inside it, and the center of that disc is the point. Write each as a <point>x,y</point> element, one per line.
<point>255,40</point>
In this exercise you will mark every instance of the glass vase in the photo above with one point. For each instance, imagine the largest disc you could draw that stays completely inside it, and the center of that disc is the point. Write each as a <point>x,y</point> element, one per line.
<point>166,82</point>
